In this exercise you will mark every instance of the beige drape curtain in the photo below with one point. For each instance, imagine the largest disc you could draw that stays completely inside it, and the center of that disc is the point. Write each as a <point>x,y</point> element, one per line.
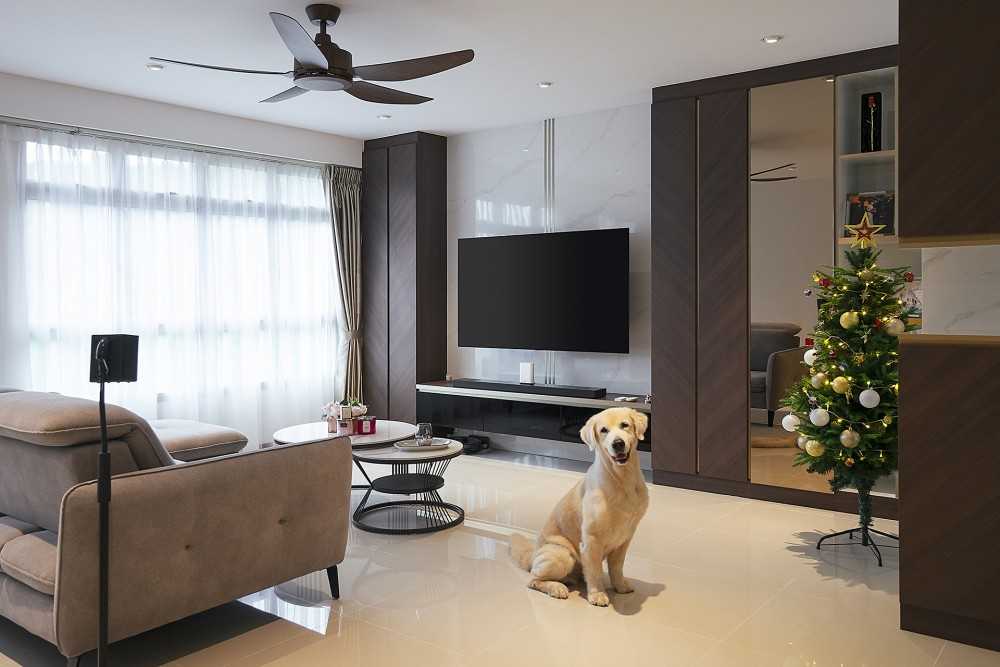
<point>343,185</point>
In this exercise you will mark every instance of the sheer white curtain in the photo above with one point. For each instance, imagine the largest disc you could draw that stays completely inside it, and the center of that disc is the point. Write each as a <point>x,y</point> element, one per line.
<point>222,265</point>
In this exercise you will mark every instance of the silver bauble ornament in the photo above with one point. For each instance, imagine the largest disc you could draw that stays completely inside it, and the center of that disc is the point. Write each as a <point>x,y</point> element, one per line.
<point>818,380</point>
<point>791,423</point>
<point>815,448</point>
<point>819,417</point>
<point>801,441</point>
<point>869,398</point>
<point>850,438</point>
<point>810,356</point>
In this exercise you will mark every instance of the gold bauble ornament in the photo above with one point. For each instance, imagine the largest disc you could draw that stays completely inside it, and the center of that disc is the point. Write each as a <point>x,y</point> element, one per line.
<point>887,420</point>
<point>818,380</point>
<point>841,385</point>
<point>895,327</point>
<point>859,358</point>
<point>850,438</point>
<point>850,319</point>
<point>867,275</point>
<point>815,448</point>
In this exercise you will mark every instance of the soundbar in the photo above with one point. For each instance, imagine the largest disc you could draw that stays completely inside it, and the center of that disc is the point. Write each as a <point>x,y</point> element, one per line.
<point>540,389</point>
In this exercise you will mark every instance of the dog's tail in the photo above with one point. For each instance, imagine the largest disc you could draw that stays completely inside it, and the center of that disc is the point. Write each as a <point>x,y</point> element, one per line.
<point>521,550</point>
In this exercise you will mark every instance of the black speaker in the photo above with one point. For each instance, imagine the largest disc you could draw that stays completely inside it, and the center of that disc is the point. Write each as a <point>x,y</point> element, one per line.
<point>119,355</point>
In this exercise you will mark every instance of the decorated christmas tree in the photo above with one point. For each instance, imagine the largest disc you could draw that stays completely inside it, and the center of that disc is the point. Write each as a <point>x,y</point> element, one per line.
<point>844,410</point>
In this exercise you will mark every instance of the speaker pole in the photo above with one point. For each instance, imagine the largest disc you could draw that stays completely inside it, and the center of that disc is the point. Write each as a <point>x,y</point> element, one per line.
<point>104,506</point>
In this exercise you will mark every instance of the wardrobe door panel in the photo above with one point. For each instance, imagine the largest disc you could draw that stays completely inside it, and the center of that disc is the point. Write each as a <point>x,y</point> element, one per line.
<point>375,285</point>
<point>723,307</point>
<point>402,282</point>
<point>674,263</point>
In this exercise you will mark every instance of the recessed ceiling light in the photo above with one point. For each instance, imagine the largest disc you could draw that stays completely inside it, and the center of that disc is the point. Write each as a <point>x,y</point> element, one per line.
<point>384,116</point>
<point>524,150</point>
<point>544,84</point>
<point>154,67</point>
<point>772,39</point>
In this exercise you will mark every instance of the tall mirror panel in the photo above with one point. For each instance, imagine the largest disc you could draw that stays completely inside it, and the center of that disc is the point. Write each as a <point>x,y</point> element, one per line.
<point>792,192</point>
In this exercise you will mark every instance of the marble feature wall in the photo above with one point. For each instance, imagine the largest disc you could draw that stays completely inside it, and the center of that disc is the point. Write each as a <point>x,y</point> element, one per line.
<point>961,290</point>
<point>496,186</point>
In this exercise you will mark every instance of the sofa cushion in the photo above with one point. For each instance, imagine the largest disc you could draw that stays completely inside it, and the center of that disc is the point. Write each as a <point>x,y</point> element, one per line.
<point>31,559</point>
<point>188,440</point>
<point>11,528</point>
<point>758,382</point>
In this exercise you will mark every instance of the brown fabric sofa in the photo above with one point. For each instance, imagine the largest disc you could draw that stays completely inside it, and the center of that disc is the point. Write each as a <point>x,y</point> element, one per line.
<point>184,537</point>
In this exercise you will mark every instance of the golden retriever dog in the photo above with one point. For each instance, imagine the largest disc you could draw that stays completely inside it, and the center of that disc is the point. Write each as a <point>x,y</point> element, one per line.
<point>596,520</point>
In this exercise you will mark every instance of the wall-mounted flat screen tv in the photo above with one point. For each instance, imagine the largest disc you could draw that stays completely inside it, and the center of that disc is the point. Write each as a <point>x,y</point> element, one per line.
<point>557,291</point>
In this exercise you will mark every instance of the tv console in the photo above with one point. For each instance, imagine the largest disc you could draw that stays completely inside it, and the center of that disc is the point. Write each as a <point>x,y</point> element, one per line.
<point>537,389</point>
<point>518,410</point>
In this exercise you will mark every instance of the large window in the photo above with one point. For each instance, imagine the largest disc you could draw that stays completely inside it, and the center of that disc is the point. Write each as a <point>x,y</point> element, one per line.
<point>223,266</point>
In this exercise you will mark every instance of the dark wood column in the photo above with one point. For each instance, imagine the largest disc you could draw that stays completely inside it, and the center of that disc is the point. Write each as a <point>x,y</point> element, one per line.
<point>404,309</point>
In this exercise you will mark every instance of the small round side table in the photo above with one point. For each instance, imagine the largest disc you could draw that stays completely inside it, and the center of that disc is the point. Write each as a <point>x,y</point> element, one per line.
<point>423,511</point>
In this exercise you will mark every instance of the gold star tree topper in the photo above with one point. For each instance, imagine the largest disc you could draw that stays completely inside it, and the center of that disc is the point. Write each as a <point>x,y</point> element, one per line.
<point>864,232</point>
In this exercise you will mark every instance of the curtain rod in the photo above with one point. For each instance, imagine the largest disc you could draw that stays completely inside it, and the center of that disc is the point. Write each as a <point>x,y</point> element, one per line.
<point>152,141</point>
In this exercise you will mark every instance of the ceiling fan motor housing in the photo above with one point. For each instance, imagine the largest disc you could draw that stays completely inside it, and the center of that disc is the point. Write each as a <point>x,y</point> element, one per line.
<point>339,74</point>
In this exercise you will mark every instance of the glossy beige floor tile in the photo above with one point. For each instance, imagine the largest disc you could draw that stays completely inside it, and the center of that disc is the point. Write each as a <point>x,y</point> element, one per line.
<point>719,581</point>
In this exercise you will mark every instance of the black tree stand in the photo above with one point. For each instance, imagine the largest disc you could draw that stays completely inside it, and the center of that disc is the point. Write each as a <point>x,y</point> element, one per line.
<point>864,528</point>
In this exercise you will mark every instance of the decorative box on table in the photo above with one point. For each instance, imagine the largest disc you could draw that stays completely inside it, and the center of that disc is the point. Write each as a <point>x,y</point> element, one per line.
<point>349,418</point>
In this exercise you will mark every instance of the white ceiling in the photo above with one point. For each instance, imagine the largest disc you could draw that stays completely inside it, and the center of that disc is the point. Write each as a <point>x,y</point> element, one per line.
<point>598,54</point>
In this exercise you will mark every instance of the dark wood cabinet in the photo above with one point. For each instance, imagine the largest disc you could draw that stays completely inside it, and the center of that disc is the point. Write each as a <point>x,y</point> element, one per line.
<point>949,122</point>
<point>949,581</point>
<point>404,306</point>
<point>700,277</point>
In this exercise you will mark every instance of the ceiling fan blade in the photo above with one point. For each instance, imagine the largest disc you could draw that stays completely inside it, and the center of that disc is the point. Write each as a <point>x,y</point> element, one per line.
<point>294,91</point>
<point>369,92</point>
<point>782,166</point>
<point>404,70</point>
<point>222,69</point>
<point>299,42</point>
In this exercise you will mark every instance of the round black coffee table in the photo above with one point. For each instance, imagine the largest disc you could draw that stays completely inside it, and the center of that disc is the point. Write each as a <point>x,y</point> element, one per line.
<point>416,474</point>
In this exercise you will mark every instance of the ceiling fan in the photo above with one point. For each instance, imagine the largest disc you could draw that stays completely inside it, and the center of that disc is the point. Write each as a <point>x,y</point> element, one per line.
<point>319,64</point>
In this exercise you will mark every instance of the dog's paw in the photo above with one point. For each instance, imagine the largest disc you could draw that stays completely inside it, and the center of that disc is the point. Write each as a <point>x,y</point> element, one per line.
<point>558,590</point>
<point>553,589</point>
<point>623,587</point>
<point>598,598</point>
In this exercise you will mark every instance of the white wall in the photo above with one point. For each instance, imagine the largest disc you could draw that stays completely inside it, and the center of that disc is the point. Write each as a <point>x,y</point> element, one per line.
<point>602,181</point>
<point>39,100</point>
<point>961,290</point>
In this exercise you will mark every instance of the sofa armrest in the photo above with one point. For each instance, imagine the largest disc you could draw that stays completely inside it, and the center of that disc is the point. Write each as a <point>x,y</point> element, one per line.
<point>188,538</point>
<point>784,369</point>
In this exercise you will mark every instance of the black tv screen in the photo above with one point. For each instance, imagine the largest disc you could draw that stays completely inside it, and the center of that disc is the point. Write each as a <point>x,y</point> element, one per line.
<point>557,291</point>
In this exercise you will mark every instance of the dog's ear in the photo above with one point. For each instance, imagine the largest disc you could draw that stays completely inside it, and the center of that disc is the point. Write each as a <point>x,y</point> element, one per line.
<point>640,422</point>
<point>589,433</point>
